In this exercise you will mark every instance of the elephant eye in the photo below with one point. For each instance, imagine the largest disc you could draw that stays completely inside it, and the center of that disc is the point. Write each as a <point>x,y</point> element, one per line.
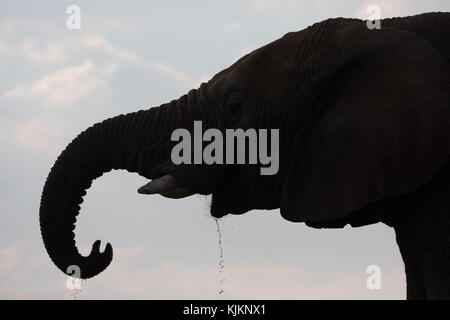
<point>233,105</point>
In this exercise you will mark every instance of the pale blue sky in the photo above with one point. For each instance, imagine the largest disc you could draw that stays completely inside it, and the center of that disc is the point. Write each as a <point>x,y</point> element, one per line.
<point>131,55</point>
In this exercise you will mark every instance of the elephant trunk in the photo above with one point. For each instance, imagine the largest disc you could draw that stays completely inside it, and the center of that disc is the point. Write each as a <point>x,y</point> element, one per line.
<point>137,142</point>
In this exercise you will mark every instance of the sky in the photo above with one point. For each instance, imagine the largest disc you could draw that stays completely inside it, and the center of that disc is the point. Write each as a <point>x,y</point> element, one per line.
<point>132,55</point>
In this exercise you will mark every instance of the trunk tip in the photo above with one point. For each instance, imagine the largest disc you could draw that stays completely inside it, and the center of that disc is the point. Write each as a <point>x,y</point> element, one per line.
<point>97,261</point>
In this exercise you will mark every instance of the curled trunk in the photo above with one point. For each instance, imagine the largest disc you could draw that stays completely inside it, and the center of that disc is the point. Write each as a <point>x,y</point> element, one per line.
<point>131,142</point>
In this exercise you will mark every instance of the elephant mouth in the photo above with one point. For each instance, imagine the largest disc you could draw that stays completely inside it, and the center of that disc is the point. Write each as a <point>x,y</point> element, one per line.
<point>184,180</point>
<point>227,197</point>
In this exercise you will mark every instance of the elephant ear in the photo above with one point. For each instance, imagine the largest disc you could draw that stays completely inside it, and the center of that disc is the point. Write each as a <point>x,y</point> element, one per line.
<point>382,125</point>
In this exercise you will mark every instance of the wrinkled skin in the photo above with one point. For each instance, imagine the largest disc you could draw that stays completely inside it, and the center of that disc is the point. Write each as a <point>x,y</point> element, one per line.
<point>364,122</point>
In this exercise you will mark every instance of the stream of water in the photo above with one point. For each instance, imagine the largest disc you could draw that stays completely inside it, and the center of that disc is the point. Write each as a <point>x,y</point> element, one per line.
<point>221,260</point>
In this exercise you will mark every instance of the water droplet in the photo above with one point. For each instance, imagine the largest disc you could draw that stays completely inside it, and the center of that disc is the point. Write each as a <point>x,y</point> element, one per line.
<point>76,292</point>
<point>221,260</point>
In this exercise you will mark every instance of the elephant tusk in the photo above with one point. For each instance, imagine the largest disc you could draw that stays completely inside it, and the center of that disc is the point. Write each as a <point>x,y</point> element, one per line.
<point>167,186</point>
<point>178,193</point>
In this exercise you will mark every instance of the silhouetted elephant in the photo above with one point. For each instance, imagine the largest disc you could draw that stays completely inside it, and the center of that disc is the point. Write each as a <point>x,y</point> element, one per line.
<point>364,135</point>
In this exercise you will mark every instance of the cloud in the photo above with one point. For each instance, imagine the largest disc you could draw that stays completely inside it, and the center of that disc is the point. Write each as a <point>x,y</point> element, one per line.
<point>10,257</point>
<point>52,52</point>
<point>20,267</point>
<point>175,280</point>
<point>170,71</point>
<point>15,92</point>
<point>34,134</point>
<point>99,42</point>
<point>131,276</point>
<point>71,83</point>
<point>27,272</point>
<point>67,84</point>
<point>6,30</point>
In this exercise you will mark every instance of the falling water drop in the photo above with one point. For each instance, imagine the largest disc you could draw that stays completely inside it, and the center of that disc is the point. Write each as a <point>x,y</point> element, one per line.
<point>221,261</point>
<point>76,292</point>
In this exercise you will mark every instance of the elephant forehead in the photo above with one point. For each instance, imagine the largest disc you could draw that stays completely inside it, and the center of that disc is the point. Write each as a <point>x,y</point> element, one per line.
<point>269,66</point>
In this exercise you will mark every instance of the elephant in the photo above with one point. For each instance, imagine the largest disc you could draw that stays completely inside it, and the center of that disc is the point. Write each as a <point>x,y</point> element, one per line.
<point>364,137</point>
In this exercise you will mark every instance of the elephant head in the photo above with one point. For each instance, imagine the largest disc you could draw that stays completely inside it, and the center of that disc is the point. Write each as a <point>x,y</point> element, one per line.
<point>362,115</point>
